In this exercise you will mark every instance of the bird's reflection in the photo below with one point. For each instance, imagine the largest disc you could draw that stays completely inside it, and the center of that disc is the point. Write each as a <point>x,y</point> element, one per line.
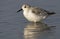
<point>33,30</point>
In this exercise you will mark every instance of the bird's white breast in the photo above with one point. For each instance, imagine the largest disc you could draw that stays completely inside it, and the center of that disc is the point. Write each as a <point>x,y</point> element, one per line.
<point>32,17</point>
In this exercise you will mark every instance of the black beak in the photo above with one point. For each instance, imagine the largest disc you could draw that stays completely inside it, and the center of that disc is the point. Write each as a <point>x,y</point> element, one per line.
<point>19,10</point>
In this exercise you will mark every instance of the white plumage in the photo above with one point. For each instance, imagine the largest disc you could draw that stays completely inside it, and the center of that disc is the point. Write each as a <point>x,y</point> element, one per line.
<point>35,14</point>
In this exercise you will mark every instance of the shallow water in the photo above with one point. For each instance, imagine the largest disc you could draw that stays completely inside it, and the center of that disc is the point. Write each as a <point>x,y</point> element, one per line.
<point>14,26</point>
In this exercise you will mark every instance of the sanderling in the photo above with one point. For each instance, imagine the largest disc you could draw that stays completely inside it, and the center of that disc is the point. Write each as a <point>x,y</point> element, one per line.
<point>34,14</point>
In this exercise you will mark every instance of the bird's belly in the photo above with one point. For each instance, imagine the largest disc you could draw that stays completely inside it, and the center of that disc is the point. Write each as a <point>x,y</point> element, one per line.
<point>33,17</point>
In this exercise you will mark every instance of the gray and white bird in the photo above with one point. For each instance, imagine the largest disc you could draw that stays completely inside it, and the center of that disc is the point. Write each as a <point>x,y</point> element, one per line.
<point>34,14</point>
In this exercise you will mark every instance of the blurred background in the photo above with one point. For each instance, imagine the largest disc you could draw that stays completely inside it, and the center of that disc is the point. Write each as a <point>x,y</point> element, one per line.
<point>14,26</point>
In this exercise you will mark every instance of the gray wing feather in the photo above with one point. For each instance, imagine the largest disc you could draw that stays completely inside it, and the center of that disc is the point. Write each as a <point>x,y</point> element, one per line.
<point>39,11</point>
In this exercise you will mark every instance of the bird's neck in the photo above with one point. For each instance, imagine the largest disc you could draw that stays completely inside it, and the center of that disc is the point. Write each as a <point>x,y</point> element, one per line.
<point>26,10</point>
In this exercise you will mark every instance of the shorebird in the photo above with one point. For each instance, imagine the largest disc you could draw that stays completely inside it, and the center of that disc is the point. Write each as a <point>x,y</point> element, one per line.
<point>34,14</point>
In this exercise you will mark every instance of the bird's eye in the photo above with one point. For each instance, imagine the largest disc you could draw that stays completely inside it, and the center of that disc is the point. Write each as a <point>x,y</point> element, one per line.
<point>24,6</point>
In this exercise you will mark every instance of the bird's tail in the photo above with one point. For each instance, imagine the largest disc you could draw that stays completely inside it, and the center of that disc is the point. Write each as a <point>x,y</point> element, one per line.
<point>51,13</point>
